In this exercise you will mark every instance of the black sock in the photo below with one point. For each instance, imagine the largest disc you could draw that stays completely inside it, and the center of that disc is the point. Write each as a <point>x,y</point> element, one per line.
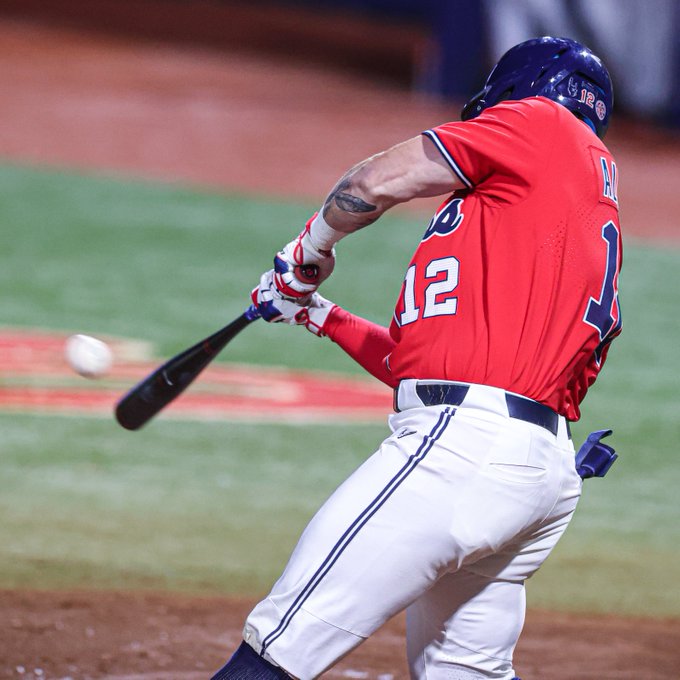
<point>247,664</point>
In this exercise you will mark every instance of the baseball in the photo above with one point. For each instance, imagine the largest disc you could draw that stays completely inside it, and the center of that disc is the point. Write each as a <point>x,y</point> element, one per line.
<point>88,356</point>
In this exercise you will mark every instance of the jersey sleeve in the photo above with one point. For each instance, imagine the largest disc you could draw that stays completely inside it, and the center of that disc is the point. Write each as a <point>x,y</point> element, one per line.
<point>368,343</point>
<point>502,152</point>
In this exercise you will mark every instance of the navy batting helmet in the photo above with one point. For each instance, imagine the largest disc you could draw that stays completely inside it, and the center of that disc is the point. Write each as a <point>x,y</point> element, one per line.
<point>560,69</point>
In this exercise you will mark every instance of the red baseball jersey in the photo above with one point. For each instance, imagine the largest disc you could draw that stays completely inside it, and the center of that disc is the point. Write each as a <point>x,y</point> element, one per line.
<point>514,283</point>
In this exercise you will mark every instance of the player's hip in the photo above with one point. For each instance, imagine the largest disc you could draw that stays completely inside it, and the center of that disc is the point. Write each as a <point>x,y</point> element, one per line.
<point>483,402</point>
<point>488,444</point>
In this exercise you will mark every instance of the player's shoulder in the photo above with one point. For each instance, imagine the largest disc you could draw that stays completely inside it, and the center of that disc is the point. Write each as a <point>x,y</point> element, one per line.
<point>531,109</point>
<point>545,118</point>
<point>535,119</point>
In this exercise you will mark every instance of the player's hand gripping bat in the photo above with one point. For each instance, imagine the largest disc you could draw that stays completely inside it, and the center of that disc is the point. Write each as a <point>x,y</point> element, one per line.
<point>168,381</point>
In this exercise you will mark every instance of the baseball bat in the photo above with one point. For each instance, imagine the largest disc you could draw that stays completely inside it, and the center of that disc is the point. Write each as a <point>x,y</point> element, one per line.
<point>167,382</point>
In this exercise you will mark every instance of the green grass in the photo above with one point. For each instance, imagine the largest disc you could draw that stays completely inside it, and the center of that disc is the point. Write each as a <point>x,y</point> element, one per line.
<point>217,507</point>
<point>622,550</point>
<point>169,264</point>
<point>208,508</point>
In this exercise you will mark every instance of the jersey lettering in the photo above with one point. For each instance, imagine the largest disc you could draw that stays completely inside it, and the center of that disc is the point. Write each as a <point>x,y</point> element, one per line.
<point>609,180</point>
<point>605,314</point>
<point>438,299</point>
<point>446,220</point>
<point>411,312</point>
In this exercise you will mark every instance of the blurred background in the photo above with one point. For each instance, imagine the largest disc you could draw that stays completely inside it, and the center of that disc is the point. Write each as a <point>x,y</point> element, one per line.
<point>441,48</point>
<point>318,84</point>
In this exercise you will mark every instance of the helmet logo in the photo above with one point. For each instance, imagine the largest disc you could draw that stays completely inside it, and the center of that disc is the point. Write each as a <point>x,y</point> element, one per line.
<point>600,109</point>
<point>572,87</point>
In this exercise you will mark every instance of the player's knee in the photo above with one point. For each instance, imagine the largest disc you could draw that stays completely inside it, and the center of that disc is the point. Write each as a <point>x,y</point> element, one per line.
<point>474,666</point>
<point>247,664</point>
<point>456,672</point>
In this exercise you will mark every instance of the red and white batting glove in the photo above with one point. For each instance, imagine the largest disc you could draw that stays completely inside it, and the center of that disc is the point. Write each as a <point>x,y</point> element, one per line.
<point>311,312</point>
<point>314,314</point>
<point>302,265</point>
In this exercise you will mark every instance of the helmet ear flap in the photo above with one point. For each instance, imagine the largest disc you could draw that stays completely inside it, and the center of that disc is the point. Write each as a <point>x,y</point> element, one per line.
<point>587,121</point>
<point>506,94</point>
<point>475,106</point>
<point>480,102</point>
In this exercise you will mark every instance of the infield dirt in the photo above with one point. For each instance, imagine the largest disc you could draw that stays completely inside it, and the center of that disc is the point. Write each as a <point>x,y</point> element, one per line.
<point>138,636</point>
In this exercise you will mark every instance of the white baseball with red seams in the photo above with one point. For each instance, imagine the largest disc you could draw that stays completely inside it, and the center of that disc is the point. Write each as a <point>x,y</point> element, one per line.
<point>88,356</point>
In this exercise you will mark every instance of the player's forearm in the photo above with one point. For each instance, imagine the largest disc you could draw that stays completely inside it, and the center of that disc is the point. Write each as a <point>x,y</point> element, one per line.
<point>372,187</point>
<point>350,206</point>
<point>369,344</point>
<point>355,201</point>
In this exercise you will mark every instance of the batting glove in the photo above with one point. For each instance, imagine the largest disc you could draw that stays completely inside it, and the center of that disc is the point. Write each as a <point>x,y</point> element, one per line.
<point>311,312</point>
<point>300,267</point>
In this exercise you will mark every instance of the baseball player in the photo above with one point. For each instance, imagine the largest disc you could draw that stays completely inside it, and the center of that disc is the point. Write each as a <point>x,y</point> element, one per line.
<point>503,322</point>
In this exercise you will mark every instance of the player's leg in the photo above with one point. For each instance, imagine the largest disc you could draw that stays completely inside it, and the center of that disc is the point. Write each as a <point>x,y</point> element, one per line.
<point>486,615</point>
<point>467,625</point>
<point>418,506</point>
<point>438,493</point>
<point>371,549</point>
<point>465,628</point>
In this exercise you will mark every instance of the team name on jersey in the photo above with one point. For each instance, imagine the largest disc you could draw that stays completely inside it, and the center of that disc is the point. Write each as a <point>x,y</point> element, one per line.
<point>446,220</point>
<point>610,180</point>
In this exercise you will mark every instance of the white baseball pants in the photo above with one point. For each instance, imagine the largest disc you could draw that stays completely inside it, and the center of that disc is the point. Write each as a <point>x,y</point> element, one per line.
<point>456,509</point>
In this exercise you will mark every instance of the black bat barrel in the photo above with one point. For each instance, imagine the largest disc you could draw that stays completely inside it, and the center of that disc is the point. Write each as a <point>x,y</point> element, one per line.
<point>167,382</point>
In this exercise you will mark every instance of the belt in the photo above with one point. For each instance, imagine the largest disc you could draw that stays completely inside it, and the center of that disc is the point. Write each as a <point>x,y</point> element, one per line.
<point>521,408</point>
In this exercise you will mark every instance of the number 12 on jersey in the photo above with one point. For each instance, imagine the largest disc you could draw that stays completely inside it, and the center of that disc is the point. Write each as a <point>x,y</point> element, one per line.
<point>604,314</point>
<point>441,279</point>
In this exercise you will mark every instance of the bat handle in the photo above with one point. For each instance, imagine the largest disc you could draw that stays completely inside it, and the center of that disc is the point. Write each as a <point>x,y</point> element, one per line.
<point>251,313</point>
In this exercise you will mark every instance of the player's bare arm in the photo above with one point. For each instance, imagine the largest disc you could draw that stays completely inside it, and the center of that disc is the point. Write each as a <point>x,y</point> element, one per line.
<point>412,169</point>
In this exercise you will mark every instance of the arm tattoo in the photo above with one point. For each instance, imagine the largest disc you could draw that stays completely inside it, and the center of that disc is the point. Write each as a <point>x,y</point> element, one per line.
<point>346,201</point>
